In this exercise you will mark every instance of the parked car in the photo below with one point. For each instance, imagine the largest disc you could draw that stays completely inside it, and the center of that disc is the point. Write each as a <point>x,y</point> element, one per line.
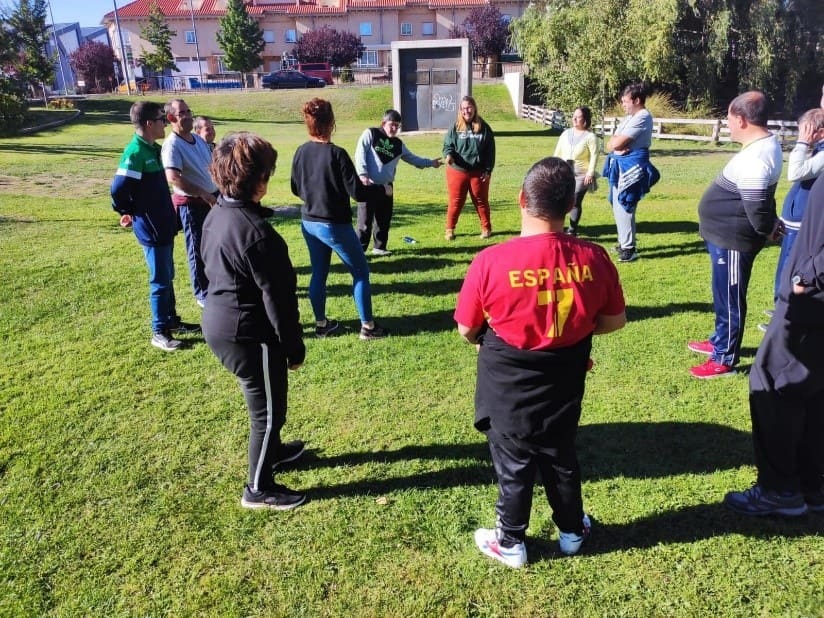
<point>288,78</point>
<point>317,69</point>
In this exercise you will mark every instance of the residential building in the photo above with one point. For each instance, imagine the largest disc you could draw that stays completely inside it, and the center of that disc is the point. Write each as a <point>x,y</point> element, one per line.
<point>378,22</point>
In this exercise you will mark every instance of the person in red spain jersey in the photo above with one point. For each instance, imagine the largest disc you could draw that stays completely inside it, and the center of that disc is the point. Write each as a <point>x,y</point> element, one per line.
<point>531,305</point>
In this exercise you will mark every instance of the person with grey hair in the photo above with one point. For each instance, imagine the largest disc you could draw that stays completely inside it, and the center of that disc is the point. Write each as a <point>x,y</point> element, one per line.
<point>377,155</point>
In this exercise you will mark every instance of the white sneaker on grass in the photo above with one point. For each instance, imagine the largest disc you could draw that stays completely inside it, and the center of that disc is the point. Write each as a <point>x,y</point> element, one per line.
<point>487,541</point>
<point>570,542</point>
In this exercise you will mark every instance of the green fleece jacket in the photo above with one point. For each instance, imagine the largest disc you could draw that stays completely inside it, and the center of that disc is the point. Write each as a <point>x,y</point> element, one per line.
<point>471,151</point>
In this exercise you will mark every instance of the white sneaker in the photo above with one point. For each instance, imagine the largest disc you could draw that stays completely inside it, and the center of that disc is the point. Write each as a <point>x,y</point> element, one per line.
<point>487,541</point>
<point>383,252</point>
<point>570,542</point>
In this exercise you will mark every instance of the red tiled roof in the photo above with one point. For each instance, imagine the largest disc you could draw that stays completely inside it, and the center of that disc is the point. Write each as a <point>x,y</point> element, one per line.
<point>312,9</point>
<point>377,4</point>
<point>180,8</point>
<point>440,4</point>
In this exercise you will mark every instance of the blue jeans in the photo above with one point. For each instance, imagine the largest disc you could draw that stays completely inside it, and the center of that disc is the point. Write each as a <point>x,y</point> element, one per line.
<point>192,218</point>
<point>730,277</point>
<point>786,246</point>
<point>161,265</point>
<point>322,239</point>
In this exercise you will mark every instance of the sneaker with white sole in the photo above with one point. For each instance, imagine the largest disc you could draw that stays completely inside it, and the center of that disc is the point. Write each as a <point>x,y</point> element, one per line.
<point>759,501</point>
<point>377,332</point>
<point>327,329</point>
<point>488,542</point>
<point>712,369</point>
<point>163,340</point>
<point>381,252</point>
<point>288,451</point>
<point>279,498</point>
<point>184,328</point>
<point>627,255</point>
<point>701,347</point>
<point>570,542</point>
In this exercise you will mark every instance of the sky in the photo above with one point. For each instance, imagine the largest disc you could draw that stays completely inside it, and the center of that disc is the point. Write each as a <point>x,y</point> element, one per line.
<point>86,12</point>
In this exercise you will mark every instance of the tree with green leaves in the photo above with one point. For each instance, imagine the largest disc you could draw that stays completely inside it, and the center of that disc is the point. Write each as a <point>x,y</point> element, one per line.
<point>12,91</point>
<point>157,32</point>
<point>241,38</point>
<point>29,35</point>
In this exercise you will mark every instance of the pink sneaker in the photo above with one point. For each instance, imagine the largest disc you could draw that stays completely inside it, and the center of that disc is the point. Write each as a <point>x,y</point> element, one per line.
<point>702,347</point>
<point>711,369</point>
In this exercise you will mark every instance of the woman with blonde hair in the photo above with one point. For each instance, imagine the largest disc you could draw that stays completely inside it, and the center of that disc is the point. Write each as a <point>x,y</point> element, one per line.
<point>469,151</point>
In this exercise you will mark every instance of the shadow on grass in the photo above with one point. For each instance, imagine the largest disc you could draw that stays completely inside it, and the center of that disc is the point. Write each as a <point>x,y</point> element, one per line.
<point>607,450</point>
<point>61,149</point>
<point>636,313</point>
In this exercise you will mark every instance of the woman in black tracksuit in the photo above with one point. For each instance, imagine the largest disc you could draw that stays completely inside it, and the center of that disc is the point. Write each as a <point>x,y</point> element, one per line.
<point>251,319</point>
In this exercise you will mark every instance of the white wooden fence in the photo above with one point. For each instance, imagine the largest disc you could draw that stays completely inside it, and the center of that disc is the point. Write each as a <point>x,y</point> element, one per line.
<point>688,129</point>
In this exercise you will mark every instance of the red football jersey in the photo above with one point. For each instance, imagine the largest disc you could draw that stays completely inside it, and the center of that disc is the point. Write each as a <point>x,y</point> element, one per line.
<point>539,292</point>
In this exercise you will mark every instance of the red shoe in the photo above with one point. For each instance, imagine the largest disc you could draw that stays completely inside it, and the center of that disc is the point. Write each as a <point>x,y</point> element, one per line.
<point>711,369</point>
<point>702,347</point>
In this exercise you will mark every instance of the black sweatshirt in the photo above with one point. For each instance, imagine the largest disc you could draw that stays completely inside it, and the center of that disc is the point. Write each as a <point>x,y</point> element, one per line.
<point>252,285</point>
<point>324,177</point>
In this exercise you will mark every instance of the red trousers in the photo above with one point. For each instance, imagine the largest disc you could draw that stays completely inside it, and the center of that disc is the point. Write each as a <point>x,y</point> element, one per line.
<point>458,183</point>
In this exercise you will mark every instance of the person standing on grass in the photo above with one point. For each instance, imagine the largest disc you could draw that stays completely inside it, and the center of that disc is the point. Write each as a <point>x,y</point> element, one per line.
<point>806,163</point>
<point>627,168</point>
<point>787,384</point>
<point>139,190</point>
<point>532,305</point>
<point>186,157</point>
<point>251,321</point>
<point>324,177</point>
<point>377,155</point>
<point>469,151</point>
<point>205,129</point>
<point>736,217</point>
<point>579,146</point>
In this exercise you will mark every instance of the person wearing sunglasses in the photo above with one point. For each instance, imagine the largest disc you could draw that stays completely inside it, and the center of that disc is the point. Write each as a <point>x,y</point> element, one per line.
<point>139,190</point>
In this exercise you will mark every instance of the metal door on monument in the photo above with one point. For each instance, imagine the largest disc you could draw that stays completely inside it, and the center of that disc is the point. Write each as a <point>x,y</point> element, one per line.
<point>433,91</point>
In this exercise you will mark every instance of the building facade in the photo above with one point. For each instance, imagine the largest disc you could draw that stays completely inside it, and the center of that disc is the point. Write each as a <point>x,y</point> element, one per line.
<point>377,22</point>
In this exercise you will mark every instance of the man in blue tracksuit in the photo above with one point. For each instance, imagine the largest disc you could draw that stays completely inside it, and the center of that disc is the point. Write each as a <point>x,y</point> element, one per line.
<point>377,155</point>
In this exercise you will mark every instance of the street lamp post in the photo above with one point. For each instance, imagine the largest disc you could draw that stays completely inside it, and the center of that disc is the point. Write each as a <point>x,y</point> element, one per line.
<point>59,54</point>
<point>123,60</point>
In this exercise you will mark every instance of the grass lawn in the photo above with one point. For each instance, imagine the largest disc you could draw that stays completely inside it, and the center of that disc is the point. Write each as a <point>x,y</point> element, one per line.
<point>121,467</point>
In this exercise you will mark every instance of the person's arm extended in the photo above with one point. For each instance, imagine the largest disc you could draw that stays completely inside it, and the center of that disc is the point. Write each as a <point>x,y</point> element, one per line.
<point>470,333</point>
<point>609,323</point>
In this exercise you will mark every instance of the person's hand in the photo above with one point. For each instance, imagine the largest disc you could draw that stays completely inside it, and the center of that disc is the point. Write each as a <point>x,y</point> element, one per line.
<point>449,159</point>
<point>806,132</point>
<point>485,177</point>
<point>436,162</point>
<point>365,179</point>
<point>587,180</point>
<point>294,366</point>
<point>777,232</point>
<point>388,189</point>
<point>798,289</point>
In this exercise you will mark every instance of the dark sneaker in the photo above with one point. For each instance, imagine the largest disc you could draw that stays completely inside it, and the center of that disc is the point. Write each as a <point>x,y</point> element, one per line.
<point>815,501</point>
<point>711,369</point>
<point>368,334</point>
<point>570,542</point>
<point>759,501</point>
<point>324,331</point>
<point>184,328</point>
<point>627,255</point>
<point>279,498</point>
<point>702,347</point>
<point>288,451</point>
<point>488,541</point>
<point>165,341</point>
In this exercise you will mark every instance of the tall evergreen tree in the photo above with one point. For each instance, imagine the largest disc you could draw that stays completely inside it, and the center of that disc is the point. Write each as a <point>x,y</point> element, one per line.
<point>29,35</point>
<point>241,38</point>
<point>157,32</point>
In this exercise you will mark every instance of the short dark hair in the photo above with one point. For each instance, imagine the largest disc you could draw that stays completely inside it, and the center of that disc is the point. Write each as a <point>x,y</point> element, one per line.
<point>752,106</point>
<point>586,113</point>
<point>144,111</point>
<point>319,117</point>
<point>549,189</point>
<point>391,115</point>
<point>240,163</point>
<point>635,90</point>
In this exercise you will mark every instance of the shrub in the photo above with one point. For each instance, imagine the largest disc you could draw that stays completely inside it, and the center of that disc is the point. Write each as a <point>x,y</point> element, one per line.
<point>61,104</point>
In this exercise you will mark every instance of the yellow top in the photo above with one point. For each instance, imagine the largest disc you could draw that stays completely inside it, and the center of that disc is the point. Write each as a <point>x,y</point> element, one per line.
<point>581,147</point>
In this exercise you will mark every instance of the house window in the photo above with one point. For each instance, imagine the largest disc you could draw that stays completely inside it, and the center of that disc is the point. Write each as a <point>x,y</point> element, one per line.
<point>366,28</point>
<point>221,64</point>
<point>268,36</point>
<point>369,58</point>
<point>427,28</point>
<point>191,38</point>
<point>291,36</point>
<point>406,29</point>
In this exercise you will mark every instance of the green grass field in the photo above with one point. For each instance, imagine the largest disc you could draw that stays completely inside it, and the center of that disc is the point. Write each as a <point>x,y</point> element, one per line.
<point>121,467</point>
